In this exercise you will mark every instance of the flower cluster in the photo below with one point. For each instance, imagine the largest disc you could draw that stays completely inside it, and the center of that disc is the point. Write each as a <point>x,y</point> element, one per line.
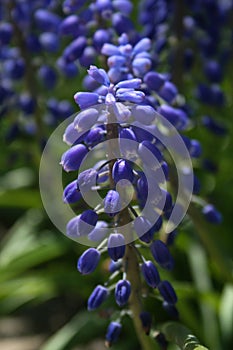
<point>122,141</point>
<point>120,116</point>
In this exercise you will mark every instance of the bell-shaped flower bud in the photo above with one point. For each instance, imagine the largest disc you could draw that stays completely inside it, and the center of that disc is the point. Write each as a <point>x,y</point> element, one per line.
<point>167,292</point>
<point>87,222</point>
<point>87,179</point>
<point>86,119</point>
<point>71,193</point>
<point>211,214</point>
<point>154,81</point>
<point>144,229</point>
<point>113,332</point>
<point>95,136</point>
<point>168,91</point>
<point>122,170</point>
<point>86,99</point>
<point>143,45</point>
<point>150,274</point>
<point>100,231</point>
<point>171,310</point>
<point>145,149</point>
<point>112,203</point>
<point>99,75</point>
<point>128,144</point>
<point>122,292</point>
<point>97,297</point>
<point>116,246</point>
<point>146,320</point>
<point>144,114</point>
<point>72,159</point>
<point>88,261</point>
<point>162,255</point>
<point>75,49</point>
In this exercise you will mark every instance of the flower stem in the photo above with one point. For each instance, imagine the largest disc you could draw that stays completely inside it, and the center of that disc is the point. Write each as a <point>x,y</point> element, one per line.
<point>135,303</point>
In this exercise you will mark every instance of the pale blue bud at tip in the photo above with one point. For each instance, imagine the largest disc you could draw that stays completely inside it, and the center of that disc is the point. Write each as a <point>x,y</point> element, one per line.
<point>143,45</point>
<point>99,75</point>
<point>86,99</point>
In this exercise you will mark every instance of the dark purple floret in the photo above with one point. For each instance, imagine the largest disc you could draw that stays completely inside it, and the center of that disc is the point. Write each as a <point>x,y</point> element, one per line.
<point>46,20</point>
<point>87,222</point>
<point>6,32</point>
<point>87,179</point>
<point>146,320</point>
<point>211,214</point>
<point>116,246</point>
<point>216,127</point>
<point>113,332</point>
<point>122,170</point>
<point>88,261</point>
<point>71,193</point>
<point>122,292</point>
<point>72,159</point>
<point>167,292</point>
<point>150,274</point>
<point>70,25</point>
<point>112,203</point>
<point>143,228</point>
<point>154,81</point>
<point>171,310</point>
<point>97,297</point>
<point>162,255</point>
<point>75,49</point>
<point>48,76</point>
<point>168,91</point>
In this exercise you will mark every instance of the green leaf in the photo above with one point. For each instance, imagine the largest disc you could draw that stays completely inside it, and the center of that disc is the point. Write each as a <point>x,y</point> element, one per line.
<point>84,327</point>
<point>226,311</point>
<point>19,291</point>
<point>16,178</point>
<point>181,336</point>
<point>23,248</point>
<point>21,198</point>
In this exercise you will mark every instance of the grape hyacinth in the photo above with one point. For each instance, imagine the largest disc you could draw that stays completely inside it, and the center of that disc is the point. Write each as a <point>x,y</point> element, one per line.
<point>119,113</point>
<point>129,147</point>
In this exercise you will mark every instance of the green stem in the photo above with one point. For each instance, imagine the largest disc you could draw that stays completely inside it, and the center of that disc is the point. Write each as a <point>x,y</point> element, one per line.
<point>135,303</point>
<point>131,264</point>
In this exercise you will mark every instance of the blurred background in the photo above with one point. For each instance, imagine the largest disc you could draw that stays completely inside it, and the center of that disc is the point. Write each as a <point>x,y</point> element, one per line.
<point>42,296</point>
